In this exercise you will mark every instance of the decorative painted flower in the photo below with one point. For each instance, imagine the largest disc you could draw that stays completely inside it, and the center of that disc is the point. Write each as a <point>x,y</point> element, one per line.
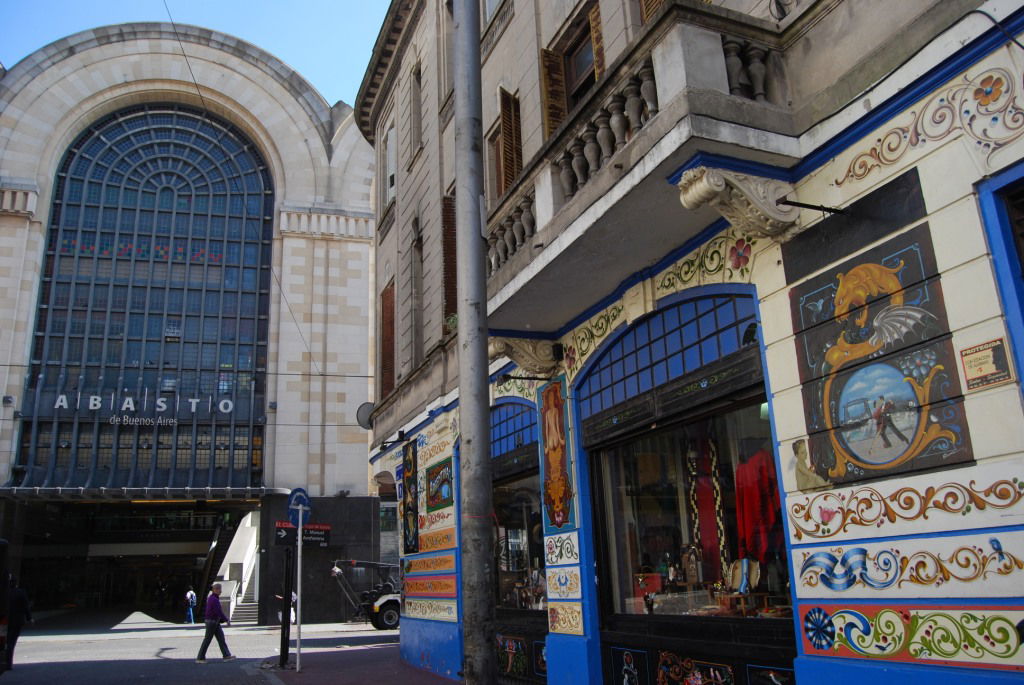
<point>739,254</point>
<point>827,514</point>
<point>820,630</point>
<point>570,357</point>
<point>990,90</point>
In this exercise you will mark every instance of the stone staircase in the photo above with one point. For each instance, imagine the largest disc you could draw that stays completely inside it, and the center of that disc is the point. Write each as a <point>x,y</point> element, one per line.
<point>247,610</point>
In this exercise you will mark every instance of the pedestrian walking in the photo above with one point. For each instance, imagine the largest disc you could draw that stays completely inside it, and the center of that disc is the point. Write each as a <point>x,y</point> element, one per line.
<point>190,605</point>
<point>214,616</point>
<point>18,613</point>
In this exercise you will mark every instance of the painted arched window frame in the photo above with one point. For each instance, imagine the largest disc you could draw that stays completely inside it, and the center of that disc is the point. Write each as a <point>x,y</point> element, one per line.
<point>683,495</point>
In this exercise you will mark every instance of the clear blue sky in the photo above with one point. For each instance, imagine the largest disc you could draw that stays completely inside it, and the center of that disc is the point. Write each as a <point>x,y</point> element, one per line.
<point>327,41</point>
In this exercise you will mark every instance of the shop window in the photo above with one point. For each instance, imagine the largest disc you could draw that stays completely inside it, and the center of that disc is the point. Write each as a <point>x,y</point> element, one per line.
<point>693,520</point>
<point>519,557</point>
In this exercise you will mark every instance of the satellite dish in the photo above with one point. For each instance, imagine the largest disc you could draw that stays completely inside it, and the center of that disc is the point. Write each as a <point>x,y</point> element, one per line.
<point>363,415</point>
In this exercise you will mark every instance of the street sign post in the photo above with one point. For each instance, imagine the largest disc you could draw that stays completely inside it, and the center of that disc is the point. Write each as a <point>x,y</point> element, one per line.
<point>299,508</point>
<point>316,534</point>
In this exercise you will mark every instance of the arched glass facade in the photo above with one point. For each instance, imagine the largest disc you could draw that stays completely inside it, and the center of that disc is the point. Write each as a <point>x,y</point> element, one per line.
<point>149,352</point>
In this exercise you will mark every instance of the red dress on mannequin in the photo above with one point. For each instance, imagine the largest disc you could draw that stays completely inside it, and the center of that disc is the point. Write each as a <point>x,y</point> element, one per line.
<point>757,506</point>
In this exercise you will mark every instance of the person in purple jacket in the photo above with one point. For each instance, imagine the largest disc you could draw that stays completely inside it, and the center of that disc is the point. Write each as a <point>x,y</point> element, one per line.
<point>214,617</point>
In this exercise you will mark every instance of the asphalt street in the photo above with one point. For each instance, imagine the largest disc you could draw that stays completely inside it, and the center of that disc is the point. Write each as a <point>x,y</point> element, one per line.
<point>136,648</point>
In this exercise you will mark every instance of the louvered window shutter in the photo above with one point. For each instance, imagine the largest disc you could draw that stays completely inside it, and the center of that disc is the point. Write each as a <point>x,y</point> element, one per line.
<point>511,142</point>
<point>448,248</point>
<point>648,8</point>
<point>553,83</point>
<point>597,41</point>
<point>387,339</point>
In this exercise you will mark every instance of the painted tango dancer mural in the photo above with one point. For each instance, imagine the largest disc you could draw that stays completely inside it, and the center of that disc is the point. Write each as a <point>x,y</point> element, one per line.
<point>880,385</point>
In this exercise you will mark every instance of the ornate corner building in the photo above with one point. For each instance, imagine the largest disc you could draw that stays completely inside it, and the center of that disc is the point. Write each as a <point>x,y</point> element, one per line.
<point>185,239</point>
<point>755,308</point>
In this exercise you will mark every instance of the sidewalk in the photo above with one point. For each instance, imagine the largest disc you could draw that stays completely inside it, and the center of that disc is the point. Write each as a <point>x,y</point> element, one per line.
<point>355,665</point>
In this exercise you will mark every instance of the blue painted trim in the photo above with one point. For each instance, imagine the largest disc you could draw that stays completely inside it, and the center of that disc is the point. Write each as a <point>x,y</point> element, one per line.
<point>1005,260</point>
<point>938,75</point>
<point>1015,604</point>
<point>740,166</point>
<point>508,368</point>
<point>908,536</point>
<point>818,669</point>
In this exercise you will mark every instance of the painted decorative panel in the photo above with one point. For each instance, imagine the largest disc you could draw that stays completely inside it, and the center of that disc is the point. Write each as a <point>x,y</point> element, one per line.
<point>629,666</point>
<point>431,586</point>
<point>559,488</point>
<point>565,617</point>
<point>437,539</point>
<point>587,337</point>
<point>440,489</point>
<point>432,609</point>
<point>982,104</point>
<point>880,383</point>
<point>958,566</point>
<point>564,582</point>
<point>540,659</point>
<point>989,494</point>
<point>410,500</point>
<point>513,659</point>
<point>441,562</point>
<point>768,675</point>
<point>562,549</point>
<point>673,668</point>
<point>728,256</point>
<point>434,520</point>
<point>956,636</point>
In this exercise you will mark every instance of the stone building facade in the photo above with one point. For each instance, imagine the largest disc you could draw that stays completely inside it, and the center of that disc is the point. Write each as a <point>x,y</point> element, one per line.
<point>754,305</point>
<point>186,244</point>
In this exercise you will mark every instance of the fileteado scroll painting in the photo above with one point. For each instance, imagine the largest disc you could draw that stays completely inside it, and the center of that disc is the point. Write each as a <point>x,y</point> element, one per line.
<point>881,388</point>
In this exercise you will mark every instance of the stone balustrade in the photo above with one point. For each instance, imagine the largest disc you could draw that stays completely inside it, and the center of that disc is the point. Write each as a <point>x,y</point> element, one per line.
<point>510,233</point>
<point>632,104</point>
<point>745,67</point>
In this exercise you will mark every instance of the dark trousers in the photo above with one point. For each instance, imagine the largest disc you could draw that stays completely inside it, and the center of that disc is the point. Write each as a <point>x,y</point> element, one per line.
<point>213,630</point>
<point>13,631</point>
<point>188,615</point>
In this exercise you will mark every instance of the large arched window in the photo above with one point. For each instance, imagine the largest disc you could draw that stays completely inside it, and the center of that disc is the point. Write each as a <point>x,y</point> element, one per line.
<point>150,345</point>
<point>667,345</point>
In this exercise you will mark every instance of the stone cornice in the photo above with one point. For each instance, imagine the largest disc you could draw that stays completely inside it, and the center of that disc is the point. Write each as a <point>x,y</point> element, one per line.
<point>18,201</point>
<point>325,225</point>
<point>746,202</point>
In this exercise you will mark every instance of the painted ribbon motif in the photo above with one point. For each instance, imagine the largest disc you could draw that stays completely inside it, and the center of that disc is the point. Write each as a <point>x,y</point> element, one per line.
<point>965,564</point>
<point>843,573</point>
<point>827,514</point>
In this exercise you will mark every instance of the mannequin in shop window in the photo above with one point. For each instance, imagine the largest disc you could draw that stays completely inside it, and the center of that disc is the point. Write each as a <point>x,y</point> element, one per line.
<point>757,511</point>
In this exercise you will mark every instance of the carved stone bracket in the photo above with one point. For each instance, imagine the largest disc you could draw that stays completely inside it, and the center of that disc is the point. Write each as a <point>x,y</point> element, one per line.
<point>746,202</point>
<point>535,357</point>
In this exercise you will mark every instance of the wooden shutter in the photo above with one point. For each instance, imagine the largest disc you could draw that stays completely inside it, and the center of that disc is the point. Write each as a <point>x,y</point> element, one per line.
<point>451,303</point>
<point>387,339</point>
<point>511,142</point>
<point>552,69</point>
<point>648,9</point>
<point>597,41</point>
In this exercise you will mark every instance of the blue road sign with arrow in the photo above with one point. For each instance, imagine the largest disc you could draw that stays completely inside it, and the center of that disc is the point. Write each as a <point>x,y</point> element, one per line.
<point>299,507</point>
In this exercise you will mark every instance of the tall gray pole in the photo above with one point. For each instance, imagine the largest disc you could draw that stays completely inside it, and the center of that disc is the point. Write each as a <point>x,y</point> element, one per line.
<point>478,663</point>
